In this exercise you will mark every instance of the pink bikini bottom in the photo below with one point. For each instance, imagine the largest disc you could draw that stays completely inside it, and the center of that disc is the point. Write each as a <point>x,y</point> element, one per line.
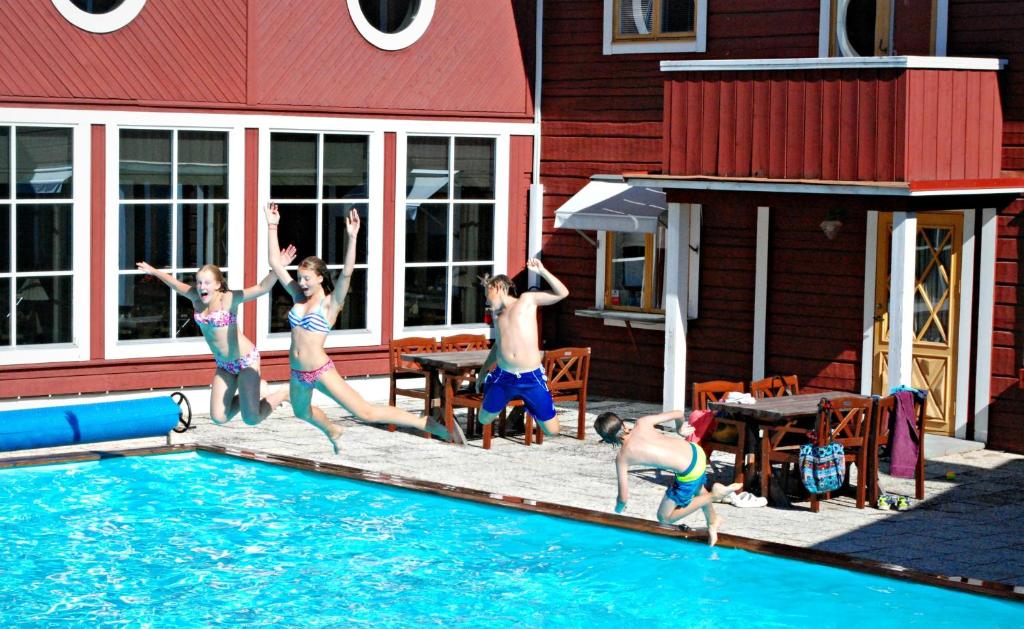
<point>310,378</point>
<point>235,367</point>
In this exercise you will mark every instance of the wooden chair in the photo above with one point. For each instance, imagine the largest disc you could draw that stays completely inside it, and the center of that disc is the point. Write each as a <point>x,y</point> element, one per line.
<point>464,342</point>
<point>715,391</point>
<point>881,435</point>
<point>402,369</point>
<point>567,370</point>
<point>775,386</point>
<point>847,420</point>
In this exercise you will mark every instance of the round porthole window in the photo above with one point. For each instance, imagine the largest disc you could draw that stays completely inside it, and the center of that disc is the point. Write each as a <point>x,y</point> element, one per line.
<point>99,16</point>
<point>391,24</point>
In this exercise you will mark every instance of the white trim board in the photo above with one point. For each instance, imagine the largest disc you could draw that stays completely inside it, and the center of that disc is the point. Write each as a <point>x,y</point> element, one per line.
<point>832,63</point>
<point>805,187</point>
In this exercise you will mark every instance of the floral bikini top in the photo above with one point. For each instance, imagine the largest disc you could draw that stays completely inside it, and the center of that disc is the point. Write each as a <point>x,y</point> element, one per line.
<point>216,319</point>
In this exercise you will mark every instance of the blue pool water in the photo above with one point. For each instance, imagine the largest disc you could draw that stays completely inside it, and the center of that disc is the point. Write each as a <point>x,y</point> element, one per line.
<point>199,539</point>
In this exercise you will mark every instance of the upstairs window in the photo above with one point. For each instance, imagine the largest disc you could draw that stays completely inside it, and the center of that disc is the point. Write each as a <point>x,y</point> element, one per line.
<point>654,26</point>
<point>391,24</point>
<point>99,16</point>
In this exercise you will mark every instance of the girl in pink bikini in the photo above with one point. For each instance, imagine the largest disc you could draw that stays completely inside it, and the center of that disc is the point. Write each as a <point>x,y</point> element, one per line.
<point>316,308</point>
<point>238,362</point>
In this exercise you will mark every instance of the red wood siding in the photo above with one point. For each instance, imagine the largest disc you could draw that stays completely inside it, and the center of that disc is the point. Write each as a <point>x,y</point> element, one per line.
<point>388,270</point>
<point>252,216</point>
<point>603,114</point>
<point>520,175</point>
<point>991,28</point>
<point>183,51</point>
<point>849,124</point>
<point>97,229</point>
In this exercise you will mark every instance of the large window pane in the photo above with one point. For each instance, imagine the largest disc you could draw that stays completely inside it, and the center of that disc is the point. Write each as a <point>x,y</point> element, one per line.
<point>145,235</point>
<point>5,162</point>
<point>185,325</point>
<point>144,308</point>
<point>425,295</point>
<point>353,315</point>
<point>335,236</point>
<point>628,251</point>
<point>677,16</point>
<point>474,168</point>
<point>202,235</point>
<point>298,227</point>
<point>44,237</point>
<point>44,163</point>
<point>473,237</point>
<point>293,166</point>
<point>426,232</point>
<point>427,170</point>
<point>202,165</point>
<point>43,310</point>
<point>5,238</point>
<point>145,167</point>
<point>468,299</point>
<point>5,311</point>
<point>346,167</point>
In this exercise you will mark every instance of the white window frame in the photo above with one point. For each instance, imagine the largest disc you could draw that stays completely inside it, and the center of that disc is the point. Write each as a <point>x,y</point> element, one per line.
<point>190,346</point>
<point>698,43</point>
<point>100,22</point>
<point>371,334</point>
<point>79,347</point>
<point>392,41</point>
<point>500,245</point>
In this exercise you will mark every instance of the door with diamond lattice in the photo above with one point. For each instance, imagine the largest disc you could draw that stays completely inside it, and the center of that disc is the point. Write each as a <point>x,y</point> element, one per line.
<point>935,313</point>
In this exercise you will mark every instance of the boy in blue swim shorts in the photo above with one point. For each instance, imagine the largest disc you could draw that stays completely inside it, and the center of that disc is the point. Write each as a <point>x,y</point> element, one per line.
<point>515,356</point>
<point>644,444</point>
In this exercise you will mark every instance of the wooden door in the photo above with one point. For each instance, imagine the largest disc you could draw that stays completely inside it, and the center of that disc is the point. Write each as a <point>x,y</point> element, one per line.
<point>936,312</point>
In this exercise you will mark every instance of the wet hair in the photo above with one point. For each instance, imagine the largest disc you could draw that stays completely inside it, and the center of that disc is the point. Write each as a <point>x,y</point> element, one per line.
<point>501,282</point>
<point>609,425</point>
<point>319,267</point>
<point>217,274</point>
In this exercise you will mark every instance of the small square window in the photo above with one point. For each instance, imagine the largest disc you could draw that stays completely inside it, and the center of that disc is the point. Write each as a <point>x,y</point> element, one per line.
<point>654,26</point>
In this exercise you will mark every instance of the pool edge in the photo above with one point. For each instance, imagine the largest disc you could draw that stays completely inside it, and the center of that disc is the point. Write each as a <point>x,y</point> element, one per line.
<point>838,560</point>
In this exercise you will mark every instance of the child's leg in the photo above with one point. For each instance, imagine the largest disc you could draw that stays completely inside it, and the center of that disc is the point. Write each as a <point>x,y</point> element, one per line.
<point>332,384</point>
<point>670,513</point>
<point>302,397</point>
<point>250,387</point>
<point>223,406</point>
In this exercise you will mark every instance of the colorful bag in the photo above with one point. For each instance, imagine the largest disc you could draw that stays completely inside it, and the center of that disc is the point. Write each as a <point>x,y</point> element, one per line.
<point>822,467</point>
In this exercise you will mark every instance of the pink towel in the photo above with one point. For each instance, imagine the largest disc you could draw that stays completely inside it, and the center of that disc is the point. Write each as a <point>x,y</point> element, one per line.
<point>703,423</point>
<point>903,438</point>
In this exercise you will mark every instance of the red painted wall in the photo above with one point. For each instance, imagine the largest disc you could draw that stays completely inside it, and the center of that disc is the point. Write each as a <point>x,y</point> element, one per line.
<point>271,55</point>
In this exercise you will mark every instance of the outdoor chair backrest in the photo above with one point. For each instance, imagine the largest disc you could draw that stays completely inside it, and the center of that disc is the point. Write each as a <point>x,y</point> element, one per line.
<point>567,369</point>
<point>713,391</point>
<point>775,386</point>
<point>847,420</point>
<point>464,342</point>
<point>411,345</point>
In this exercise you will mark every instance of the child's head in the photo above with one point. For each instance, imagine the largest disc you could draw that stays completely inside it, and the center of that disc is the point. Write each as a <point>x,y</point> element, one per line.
<point>209,278</point>
<point>609,426</point>
<point>497,287</point>
<point>312,272</point>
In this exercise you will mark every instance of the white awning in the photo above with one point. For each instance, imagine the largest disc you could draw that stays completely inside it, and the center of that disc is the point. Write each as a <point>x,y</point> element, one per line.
<point>613,206</point>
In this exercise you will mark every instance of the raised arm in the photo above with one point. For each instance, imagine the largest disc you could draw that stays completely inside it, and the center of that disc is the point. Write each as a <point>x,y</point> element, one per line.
<point>177,285</point>
<point>558,290</point>
<point>352,229</point>
<point>253,292</point>
<point>274,252</point>
<point>622,472</point>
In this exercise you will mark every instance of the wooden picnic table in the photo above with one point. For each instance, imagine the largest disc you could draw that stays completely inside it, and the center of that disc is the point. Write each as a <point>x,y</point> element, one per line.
<point>774,412</point>
<point>443,369</point>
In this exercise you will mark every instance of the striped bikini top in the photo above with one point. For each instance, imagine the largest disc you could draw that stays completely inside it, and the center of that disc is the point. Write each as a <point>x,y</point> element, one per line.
<point>314,321</point>
<point>216,319</point>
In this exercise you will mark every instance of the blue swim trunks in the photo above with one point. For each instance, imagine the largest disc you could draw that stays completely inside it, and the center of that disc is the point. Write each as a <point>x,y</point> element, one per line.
<point>689,483</point>
<point>531,387</point>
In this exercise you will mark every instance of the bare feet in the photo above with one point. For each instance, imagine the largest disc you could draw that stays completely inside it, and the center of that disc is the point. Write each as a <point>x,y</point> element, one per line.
<point>336,440</point>
<point>219,422</point>
<point>277,397</point>
<point>713,524</point>
<point>720,491</point>
<point>437,428</point>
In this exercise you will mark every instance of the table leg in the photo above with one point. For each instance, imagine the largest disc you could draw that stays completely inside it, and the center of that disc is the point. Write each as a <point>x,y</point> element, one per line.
<point>449,414</point>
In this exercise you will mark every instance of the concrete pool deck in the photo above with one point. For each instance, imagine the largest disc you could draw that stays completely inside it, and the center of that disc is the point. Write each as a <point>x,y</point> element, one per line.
<point>970,526</point>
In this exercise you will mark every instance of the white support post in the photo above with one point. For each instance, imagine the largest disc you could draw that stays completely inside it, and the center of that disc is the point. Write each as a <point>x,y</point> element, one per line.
<point>760,294</point>
<point>901,298</point>
<point>986,309</point>
<point>965,325</point>
<point>676,291</point>
<point>867,350</point>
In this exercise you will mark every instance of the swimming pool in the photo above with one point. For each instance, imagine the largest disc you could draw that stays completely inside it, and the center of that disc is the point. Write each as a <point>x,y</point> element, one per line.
<point>196,539</point>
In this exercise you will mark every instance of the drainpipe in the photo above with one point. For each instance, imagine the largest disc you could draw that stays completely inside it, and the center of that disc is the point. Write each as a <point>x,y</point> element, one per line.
<point>535,224</point>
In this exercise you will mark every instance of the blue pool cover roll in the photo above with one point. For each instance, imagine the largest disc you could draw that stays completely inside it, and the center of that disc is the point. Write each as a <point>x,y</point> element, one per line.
<point>87,423</point>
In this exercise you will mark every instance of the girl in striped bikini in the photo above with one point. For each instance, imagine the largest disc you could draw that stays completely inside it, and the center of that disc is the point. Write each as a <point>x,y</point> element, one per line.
<point>238,362</point>
<point>316,308</point>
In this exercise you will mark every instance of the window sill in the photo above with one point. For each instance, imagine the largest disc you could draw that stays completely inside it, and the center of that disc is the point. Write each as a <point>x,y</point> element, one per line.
<point>623,319</point>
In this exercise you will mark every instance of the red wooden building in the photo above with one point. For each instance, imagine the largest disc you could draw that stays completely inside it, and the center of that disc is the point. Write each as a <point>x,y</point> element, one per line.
<point>743,136</point>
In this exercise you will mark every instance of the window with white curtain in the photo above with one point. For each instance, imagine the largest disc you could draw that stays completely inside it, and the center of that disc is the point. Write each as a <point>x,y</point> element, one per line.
<point>646,26</point>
